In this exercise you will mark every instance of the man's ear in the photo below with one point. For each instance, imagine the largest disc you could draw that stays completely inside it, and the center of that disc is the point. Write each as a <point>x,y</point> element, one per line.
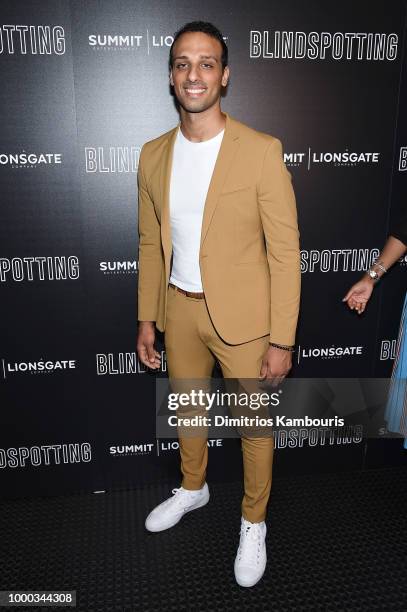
<point>225,76</point>
<point>171,79</point>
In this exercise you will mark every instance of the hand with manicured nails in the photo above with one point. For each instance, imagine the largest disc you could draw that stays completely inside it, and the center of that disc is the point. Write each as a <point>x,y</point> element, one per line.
<point>359,294</point>
<point>145,345</point>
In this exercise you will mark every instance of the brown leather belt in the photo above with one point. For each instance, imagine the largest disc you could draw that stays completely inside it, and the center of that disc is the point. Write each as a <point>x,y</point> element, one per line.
<point>194,294</point>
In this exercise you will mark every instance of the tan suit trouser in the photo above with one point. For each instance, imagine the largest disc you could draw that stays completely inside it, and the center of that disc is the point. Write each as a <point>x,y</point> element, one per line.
<point>192,345</point>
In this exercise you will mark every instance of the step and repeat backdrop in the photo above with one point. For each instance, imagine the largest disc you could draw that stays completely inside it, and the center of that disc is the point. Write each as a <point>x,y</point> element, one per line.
<point>84,85</point>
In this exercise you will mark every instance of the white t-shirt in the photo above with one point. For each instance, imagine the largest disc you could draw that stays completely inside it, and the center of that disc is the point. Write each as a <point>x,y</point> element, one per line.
<point>192,168</point>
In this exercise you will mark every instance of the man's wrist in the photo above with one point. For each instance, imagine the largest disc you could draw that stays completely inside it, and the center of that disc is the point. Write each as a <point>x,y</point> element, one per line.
<point>285,347</point>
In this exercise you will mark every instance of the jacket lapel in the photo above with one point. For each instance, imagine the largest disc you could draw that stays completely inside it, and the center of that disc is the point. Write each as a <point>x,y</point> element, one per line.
<point>224,161</point>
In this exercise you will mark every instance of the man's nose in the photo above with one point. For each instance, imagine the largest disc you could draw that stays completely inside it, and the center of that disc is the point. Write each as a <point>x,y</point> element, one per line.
<point>193,73</point>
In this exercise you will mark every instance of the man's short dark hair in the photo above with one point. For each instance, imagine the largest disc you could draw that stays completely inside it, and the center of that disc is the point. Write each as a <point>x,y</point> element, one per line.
<point>206,28</point>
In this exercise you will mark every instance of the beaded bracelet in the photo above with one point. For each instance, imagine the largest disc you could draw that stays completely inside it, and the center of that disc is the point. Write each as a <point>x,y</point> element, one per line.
<point>283,346</point>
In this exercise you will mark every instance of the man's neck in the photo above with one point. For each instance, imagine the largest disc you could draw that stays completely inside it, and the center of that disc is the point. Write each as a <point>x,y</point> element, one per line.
<point>198,127</point>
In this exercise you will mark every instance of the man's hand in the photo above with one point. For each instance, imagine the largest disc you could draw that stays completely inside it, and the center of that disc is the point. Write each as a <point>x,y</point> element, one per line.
<point>275,365</point>
<point>359,294</point>
<point>145,345</point>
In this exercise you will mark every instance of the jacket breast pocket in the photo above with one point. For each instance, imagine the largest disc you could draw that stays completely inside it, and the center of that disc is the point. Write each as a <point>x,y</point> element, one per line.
<point>231,190</point>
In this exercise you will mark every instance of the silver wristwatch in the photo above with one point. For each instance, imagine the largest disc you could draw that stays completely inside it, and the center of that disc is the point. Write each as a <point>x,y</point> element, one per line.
<point>373,275</point>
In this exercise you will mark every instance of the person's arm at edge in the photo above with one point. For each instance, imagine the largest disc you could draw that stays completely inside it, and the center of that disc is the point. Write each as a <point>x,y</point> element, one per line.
<point>150,264</point>
<point>359,294</point>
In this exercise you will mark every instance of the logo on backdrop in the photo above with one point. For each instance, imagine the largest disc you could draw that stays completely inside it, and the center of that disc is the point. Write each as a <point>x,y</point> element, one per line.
<point>30,160</point>
<point>112,159</point>
<point>124,363</point>
<point>337,260</point>
<point>32,40</point>
<point>118,267</point>
<point>173,445</point>
<point>328,352</point>
<point>346,46</point>
<point>388,349</point>
<point>44,455</point>
<point>146,41</point>
<point>343,159</point>
<point>403,159</point>
<point>41,366</point>
<point>296,438</point>
<point>135,449</point>
<point>51,268</point>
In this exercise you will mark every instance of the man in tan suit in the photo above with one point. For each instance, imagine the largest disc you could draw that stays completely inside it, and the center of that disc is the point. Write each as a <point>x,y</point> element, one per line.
<point>219,269</point>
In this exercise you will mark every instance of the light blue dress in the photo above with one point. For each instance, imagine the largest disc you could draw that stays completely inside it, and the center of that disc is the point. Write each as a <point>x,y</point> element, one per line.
<point>396,407</point>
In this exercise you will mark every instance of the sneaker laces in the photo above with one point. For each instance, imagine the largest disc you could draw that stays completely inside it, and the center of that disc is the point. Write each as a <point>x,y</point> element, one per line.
<point>178,497</point>
<point>250,542</point>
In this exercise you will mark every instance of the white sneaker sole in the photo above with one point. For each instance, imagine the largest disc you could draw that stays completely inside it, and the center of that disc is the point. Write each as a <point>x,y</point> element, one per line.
<point>168,524</point>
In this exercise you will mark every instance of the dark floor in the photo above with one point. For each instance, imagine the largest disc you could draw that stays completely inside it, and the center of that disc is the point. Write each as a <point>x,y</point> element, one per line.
<point>335,542</point>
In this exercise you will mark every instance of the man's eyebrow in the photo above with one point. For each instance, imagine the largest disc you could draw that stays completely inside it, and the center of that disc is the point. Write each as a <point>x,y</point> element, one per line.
<point>178,57</point>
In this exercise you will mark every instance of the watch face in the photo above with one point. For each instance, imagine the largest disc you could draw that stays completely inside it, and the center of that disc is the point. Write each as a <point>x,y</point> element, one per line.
<point>373,274</point>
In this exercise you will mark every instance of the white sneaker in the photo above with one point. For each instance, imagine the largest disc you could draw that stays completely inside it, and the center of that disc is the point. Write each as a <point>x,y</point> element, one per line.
<point>251,557</point>
<point>169,512</point>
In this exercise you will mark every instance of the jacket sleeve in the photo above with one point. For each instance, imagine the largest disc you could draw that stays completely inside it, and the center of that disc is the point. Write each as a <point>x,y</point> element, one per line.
<point>278,213</point>
<point>150,252</point>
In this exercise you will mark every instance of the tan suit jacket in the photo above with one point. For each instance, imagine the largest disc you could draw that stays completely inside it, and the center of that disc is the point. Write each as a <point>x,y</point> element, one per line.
<point>249,252</point>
